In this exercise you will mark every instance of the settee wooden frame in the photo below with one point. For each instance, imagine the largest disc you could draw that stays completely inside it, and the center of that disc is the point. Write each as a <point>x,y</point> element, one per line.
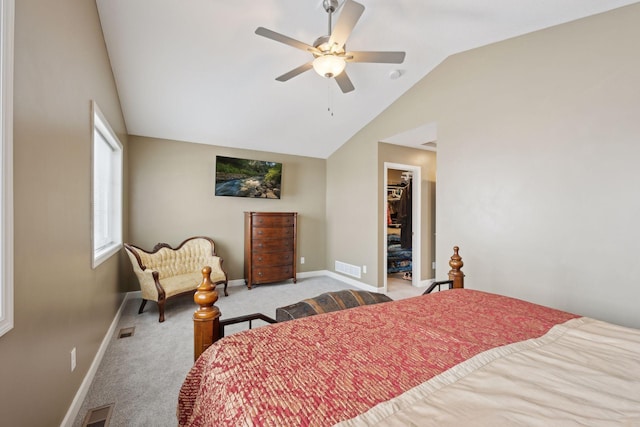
<point>162,298</point>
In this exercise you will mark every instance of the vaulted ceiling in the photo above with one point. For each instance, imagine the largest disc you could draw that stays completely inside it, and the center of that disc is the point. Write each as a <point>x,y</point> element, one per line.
<point>194,70</point>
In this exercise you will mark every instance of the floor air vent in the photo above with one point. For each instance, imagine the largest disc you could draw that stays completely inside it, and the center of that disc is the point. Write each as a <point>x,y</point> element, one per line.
<point>98,417</point>
<point>126,332</point>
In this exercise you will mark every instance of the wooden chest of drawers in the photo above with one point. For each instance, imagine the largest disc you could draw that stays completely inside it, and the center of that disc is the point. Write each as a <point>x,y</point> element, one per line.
<point>269,247</point>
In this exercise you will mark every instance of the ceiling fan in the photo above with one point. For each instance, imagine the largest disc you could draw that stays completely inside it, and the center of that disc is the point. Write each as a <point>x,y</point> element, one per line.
<point>329,52</point>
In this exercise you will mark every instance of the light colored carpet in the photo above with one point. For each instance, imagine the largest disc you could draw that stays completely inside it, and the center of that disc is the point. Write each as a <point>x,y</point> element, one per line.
<point>142,374</point>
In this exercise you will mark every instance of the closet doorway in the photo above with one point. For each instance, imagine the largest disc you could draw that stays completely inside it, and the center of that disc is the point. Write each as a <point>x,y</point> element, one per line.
<point>401,225</point>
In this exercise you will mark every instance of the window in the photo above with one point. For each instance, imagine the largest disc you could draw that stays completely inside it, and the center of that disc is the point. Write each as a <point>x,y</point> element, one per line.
<point>6,165</point>
<point>107,189</point>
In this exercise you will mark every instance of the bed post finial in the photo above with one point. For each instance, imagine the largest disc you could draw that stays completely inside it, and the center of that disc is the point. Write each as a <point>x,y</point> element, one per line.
<point>206,319</point>
<point>455,274</point>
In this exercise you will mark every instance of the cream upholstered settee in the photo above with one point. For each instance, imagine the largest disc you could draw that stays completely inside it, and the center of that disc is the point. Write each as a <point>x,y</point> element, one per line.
<point>165,271</point>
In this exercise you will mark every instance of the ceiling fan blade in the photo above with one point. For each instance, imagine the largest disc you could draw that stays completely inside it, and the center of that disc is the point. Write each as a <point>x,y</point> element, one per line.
<point>299,70</point>
<point>351,12</point>
<point>344,82</point>
<point>264,32</point>
<point>380,57</point>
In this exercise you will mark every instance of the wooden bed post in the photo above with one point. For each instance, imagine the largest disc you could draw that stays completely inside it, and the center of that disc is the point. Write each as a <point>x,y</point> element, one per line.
<point>455,274</point>
<point>206,319</point>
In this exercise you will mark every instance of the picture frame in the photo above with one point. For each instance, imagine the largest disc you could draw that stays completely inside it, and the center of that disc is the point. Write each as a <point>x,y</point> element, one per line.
<point>236,177</point>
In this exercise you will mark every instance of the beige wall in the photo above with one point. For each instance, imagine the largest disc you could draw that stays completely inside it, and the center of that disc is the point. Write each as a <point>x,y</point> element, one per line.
<point>60,301</point>
<point>426,160</point>
<point>355,196</point>
<point>353,222</point>
<point>546,166</point>
<point>172,198</point>
<point>538,172</point>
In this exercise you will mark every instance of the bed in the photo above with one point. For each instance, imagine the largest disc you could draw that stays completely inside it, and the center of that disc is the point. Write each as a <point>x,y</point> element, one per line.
<point>457,357</point>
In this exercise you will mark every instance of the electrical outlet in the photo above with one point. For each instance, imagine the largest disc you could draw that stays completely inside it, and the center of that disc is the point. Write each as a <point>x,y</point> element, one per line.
<point>433,265</point>
<point>301,260</point>
<point>73,359</point>
<point>364,269</point>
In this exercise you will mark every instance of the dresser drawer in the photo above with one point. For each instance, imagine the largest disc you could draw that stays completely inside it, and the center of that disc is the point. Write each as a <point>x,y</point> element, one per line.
<point>271,233</point>
<point>272,245</point>
<point>272,259</point>
<point>272,274</point>
<point>273,221</point>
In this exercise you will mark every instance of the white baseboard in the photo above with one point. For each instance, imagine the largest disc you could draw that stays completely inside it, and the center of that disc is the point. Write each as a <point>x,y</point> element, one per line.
<point>81,394</point>
<point>422,283</point>
<point>352,282</point>
<point>312,274</point>
<point>235,282</point>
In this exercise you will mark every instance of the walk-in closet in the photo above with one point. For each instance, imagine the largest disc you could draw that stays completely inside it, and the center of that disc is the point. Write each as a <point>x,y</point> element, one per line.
<point>399,226</point>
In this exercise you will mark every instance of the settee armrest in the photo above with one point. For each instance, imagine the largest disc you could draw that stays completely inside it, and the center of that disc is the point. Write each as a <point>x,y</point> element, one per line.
<point>150,287</point>
<point>217,272</point>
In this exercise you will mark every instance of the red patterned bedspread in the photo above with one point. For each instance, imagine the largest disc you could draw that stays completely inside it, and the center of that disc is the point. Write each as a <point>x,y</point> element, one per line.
<point>320,370</point>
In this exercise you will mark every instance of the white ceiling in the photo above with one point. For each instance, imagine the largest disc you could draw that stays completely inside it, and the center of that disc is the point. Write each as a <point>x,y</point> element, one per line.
<point>193,70</point>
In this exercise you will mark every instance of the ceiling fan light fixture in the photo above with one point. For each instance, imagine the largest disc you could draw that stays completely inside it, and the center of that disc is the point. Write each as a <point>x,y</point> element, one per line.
<point>329,51</point>
<point>329,65</point>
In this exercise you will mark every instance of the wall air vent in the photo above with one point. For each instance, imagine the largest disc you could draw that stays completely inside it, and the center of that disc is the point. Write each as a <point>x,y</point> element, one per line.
<point>351,270</point>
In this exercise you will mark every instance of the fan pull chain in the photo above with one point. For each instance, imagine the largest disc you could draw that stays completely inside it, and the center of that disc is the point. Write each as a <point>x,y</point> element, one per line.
<point>329,98</point>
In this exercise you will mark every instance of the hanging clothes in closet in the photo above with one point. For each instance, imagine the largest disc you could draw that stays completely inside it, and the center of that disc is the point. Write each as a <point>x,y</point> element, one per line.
<point>404,216</point>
